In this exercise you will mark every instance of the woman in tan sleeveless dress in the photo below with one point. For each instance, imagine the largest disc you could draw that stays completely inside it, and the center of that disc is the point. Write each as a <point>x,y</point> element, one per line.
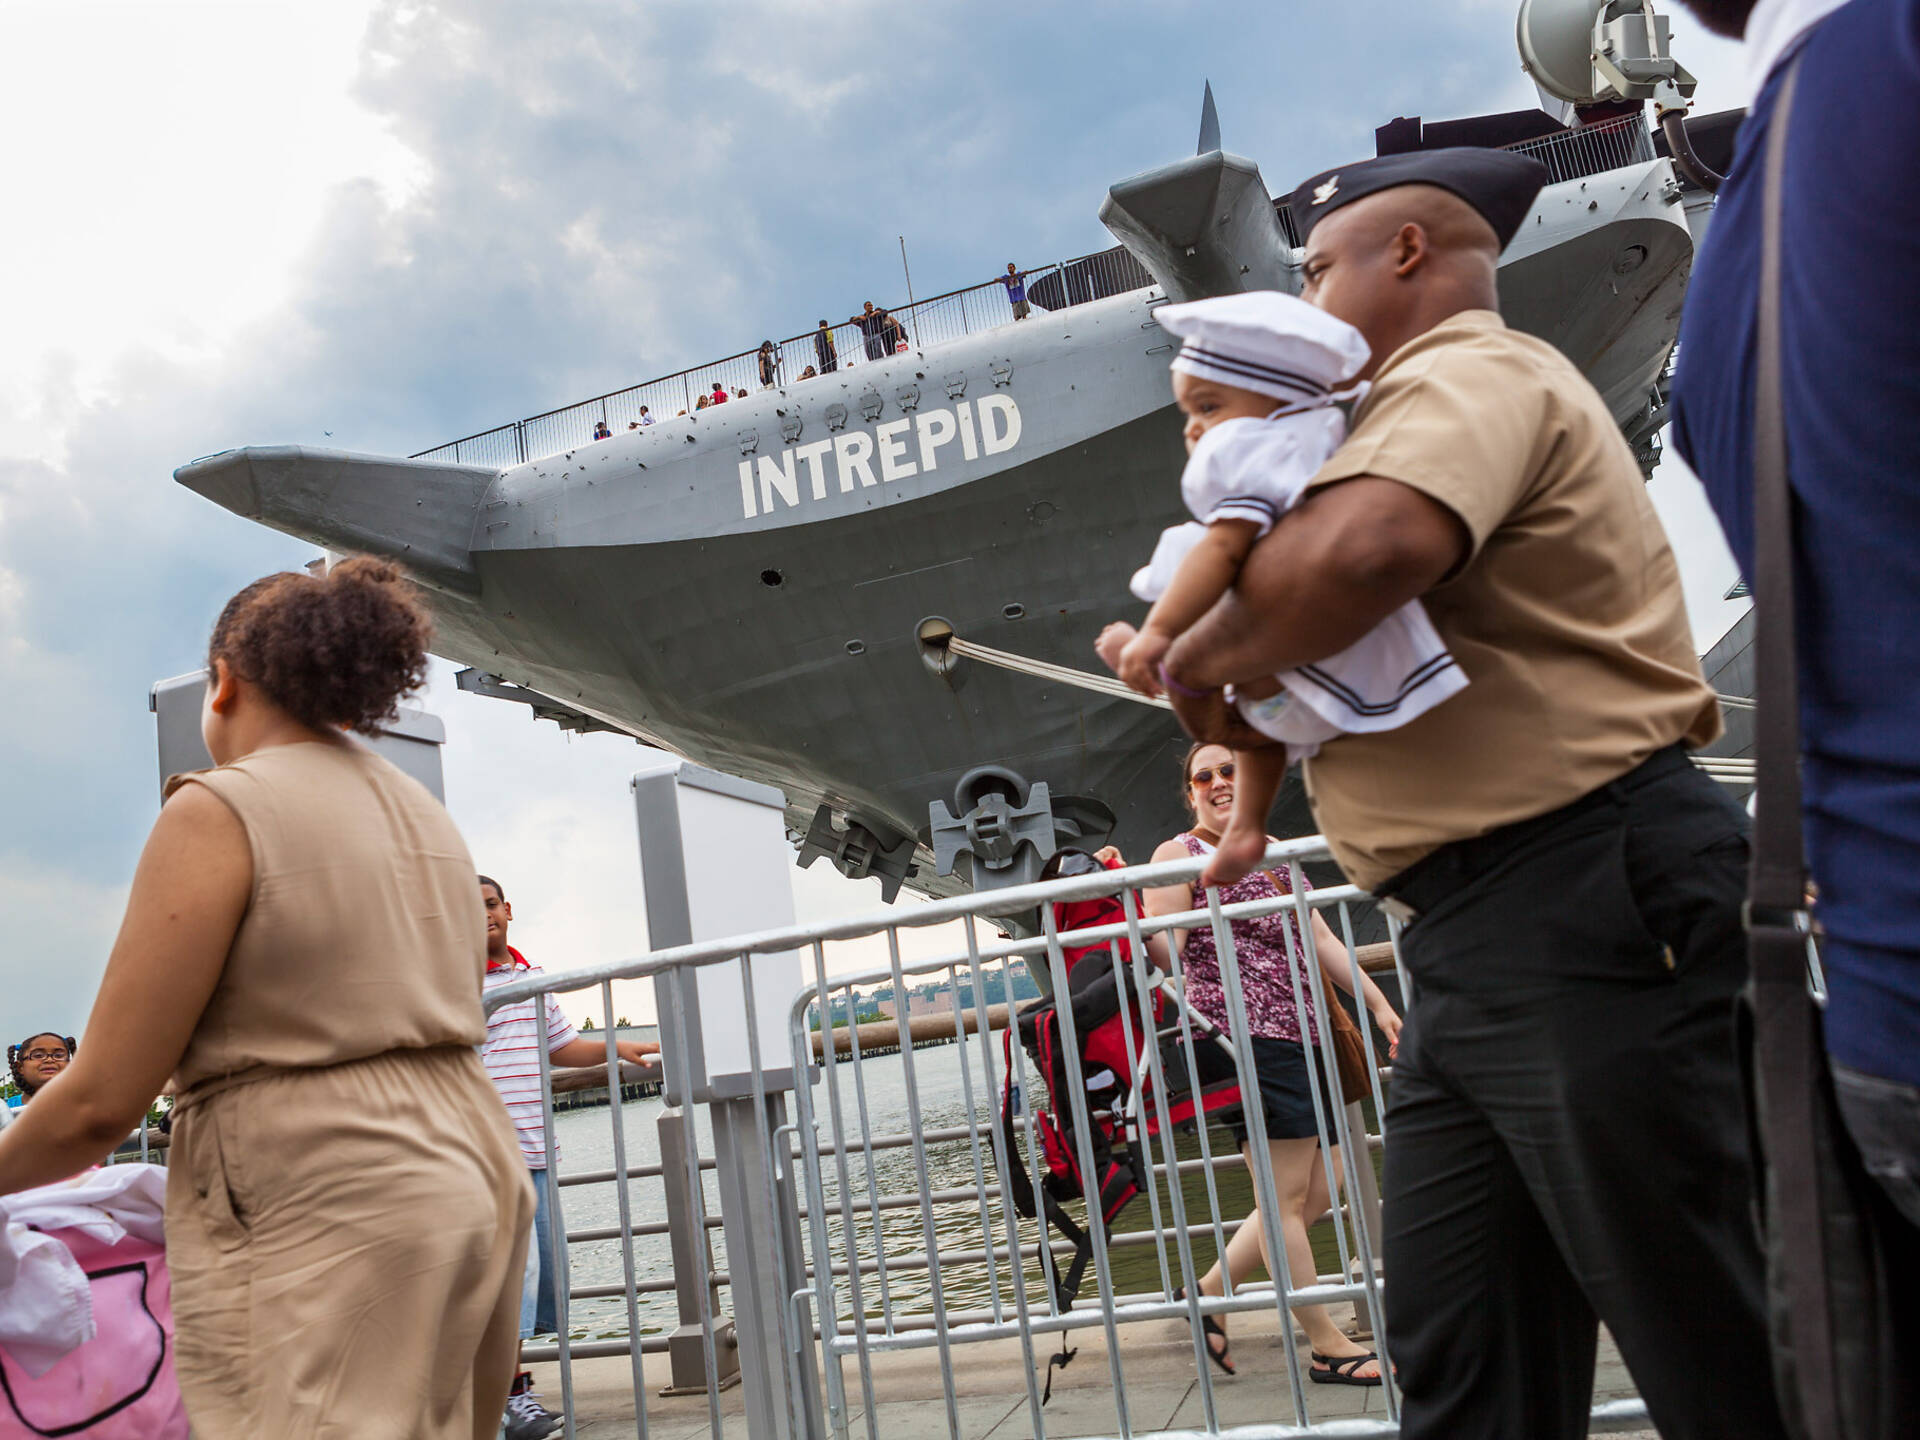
<point>303,950</point>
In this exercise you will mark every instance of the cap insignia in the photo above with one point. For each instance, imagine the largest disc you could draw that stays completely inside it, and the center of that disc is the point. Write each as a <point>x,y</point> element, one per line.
<point>1324,193</point>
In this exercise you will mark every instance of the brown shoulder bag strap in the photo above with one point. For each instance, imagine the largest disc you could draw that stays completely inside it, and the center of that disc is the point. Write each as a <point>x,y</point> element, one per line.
<point>1786,1026</point>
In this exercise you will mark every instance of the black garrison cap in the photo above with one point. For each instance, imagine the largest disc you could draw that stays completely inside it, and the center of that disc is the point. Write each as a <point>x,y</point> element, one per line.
<point>1498,183</point>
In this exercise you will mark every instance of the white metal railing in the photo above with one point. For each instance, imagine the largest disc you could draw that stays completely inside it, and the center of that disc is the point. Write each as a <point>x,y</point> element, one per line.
<point>887,1239</point>
<point>1016,1314</point>
<point>1591,149</point>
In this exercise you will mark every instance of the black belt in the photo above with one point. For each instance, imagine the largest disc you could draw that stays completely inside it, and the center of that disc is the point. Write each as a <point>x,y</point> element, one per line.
<point>1423,884</point>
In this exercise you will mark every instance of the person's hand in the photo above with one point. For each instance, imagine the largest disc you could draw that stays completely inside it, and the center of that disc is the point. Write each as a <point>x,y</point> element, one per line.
<point>1210,720</point>
<point>1140,661</point>
<point>1108,853</point>
<point>638,1052</point>
<point>1112,641</point>
<point>1389,1022</point>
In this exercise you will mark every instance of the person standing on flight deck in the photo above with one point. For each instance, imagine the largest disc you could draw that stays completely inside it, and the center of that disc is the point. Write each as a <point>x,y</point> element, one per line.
<point>1016,282</point>
<point>1568,1137</point>
<point>872,324</point>
<point>824,349</point>
<point>1850,400</point>
<point>513,1064</point>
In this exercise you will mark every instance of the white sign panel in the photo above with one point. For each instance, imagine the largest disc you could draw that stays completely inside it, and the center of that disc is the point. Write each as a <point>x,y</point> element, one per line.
<point>716,862</point>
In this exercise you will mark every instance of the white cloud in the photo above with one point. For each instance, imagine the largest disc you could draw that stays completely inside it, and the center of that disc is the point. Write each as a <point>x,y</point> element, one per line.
<point>179,158</point>
<point>47,982</point>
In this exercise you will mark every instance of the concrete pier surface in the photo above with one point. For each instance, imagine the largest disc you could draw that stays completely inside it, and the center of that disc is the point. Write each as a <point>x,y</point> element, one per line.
<point>1163,1392</point>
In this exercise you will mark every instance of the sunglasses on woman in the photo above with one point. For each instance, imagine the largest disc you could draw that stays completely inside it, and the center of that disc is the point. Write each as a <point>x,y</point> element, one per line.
<point>1205,777</point>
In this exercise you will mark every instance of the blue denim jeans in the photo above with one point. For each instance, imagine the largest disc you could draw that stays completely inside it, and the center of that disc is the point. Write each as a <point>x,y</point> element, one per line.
<point>539,1314</point>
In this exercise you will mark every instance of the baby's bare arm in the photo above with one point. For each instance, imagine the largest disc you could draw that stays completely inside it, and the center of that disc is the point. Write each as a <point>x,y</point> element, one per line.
<point>1204,576</point>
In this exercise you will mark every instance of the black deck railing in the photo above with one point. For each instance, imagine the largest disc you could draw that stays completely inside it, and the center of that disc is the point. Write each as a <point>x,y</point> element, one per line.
<point>933,321</point>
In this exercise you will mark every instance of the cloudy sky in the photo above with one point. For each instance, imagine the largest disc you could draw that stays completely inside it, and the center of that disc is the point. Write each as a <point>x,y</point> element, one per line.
<point>380,226</point>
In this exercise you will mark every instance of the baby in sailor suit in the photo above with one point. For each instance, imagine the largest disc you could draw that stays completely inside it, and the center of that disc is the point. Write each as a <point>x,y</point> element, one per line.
<point>1258,377</point>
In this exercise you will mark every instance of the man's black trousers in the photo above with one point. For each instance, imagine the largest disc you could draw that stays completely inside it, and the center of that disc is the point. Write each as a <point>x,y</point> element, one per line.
<point>1566,1140</point>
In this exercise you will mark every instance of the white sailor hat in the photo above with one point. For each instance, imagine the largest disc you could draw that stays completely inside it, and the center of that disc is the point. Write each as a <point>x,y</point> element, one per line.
<point>1266,342</point>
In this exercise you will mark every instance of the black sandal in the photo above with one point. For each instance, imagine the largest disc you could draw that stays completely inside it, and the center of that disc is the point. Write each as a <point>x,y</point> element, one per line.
<point>1340,1370</point>
<point>1223,1356</point>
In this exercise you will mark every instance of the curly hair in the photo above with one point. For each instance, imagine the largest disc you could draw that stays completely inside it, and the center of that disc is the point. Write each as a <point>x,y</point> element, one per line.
<point>14,1053</point>
<point>332,650</point>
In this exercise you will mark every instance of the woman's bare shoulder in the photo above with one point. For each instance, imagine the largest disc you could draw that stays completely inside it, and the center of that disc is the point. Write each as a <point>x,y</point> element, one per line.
<point>1170,849</point>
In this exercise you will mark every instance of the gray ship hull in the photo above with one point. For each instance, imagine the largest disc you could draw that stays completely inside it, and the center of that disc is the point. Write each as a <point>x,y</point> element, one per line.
<point>696,651</point>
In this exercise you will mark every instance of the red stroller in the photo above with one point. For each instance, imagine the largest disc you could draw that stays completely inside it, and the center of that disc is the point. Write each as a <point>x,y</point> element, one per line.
<point>1123,1116</point>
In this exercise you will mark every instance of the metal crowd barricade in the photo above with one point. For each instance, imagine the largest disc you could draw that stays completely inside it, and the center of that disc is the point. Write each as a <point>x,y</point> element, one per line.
<point>1022,1307</point>
<point>876,1255</point>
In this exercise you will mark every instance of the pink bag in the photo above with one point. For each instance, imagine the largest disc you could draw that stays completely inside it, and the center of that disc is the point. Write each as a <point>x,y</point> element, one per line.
<point>119,1385</point>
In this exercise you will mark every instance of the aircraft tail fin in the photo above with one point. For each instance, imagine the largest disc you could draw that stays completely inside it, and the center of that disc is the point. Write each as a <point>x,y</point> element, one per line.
<point>1209,124</point>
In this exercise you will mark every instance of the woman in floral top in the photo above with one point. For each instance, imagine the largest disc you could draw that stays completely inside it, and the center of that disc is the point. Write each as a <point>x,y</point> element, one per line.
<point>1274,1014</point>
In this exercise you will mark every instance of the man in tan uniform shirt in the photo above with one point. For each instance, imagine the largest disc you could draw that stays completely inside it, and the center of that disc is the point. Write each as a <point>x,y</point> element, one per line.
<point>1567,1138</point>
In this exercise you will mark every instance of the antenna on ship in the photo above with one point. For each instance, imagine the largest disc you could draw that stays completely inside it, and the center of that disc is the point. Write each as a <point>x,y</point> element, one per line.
<point>1209,124</point>
<point>1597,52</point>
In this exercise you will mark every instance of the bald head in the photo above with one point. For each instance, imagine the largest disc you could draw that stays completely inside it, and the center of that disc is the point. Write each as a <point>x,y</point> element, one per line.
<point>1396,263</point>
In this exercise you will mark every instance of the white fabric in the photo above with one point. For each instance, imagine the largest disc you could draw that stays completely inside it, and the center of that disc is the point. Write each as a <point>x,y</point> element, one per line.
<point>1256,470</point>
<point>1176,542</point>
<point>1773,26</point>
<point>512,1057</point>
<point>46,1304</point>
<point>1396,671</point>
<point>1244,469</point>
<point>1266,342</point>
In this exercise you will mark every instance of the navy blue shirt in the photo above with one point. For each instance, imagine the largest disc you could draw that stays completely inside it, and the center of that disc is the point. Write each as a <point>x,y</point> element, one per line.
<point>1850,323</point>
